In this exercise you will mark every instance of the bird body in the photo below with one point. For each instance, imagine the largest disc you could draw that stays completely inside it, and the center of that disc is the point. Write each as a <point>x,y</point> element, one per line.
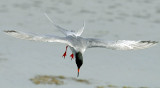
<point>78,43</point>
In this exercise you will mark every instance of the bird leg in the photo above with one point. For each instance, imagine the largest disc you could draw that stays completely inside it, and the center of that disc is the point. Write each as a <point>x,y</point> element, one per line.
<point>65,53</point>
<point>72,56</point>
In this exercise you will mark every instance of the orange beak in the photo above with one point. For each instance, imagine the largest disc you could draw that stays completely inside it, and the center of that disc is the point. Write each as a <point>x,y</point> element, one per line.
<point>78,72</point>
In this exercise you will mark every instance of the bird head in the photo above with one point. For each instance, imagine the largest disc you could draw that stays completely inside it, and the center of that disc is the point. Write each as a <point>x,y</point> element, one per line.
<point>79,61</point>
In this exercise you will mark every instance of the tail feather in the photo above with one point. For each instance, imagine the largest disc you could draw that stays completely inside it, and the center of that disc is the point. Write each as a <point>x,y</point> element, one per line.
<point>62,30</point>
<point>65,31</point>
<point>80,31</point>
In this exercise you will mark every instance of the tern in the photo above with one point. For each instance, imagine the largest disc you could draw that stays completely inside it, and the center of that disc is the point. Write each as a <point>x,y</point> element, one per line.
<point>79,44</point>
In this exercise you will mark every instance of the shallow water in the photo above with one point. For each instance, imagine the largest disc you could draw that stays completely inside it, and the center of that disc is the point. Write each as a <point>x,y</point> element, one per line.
<point>106,19</point>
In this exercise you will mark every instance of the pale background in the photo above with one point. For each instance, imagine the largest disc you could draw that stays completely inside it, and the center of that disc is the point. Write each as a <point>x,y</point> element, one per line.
<point>21,60</point>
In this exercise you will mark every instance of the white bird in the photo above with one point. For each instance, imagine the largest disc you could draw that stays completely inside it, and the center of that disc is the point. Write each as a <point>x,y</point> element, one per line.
<point>78,44</point>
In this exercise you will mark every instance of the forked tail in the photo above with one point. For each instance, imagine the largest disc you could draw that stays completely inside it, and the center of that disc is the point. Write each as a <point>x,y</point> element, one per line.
<point>65,31</point>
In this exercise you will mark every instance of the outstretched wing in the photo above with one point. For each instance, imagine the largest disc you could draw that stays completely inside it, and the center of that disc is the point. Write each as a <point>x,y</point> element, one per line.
<point>62,30</point>
<point>35,37</point>
<point>120,44</point>
<point>80,31</point>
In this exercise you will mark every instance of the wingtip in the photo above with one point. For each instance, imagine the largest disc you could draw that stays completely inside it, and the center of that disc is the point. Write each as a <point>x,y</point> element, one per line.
<point>153,42</point>
<point>84,23</point>
<point>156,42</point>
<point>8,31</point>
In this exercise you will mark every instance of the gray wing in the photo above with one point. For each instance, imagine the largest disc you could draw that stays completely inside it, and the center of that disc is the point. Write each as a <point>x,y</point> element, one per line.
<point>120,44</point>
<point>35,37</point>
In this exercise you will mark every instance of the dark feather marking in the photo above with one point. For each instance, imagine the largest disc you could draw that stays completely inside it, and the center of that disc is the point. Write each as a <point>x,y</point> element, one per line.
<point>149,42</point>
<point>9,31</point>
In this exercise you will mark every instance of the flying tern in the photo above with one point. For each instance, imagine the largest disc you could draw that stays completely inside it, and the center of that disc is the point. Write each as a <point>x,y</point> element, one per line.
<point>79,44</point>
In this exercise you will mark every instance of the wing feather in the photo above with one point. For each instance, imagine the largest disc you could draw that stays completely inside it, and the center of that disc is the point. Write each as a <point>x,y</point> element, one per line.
<point>121,44</point>
<point>36,37</point>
